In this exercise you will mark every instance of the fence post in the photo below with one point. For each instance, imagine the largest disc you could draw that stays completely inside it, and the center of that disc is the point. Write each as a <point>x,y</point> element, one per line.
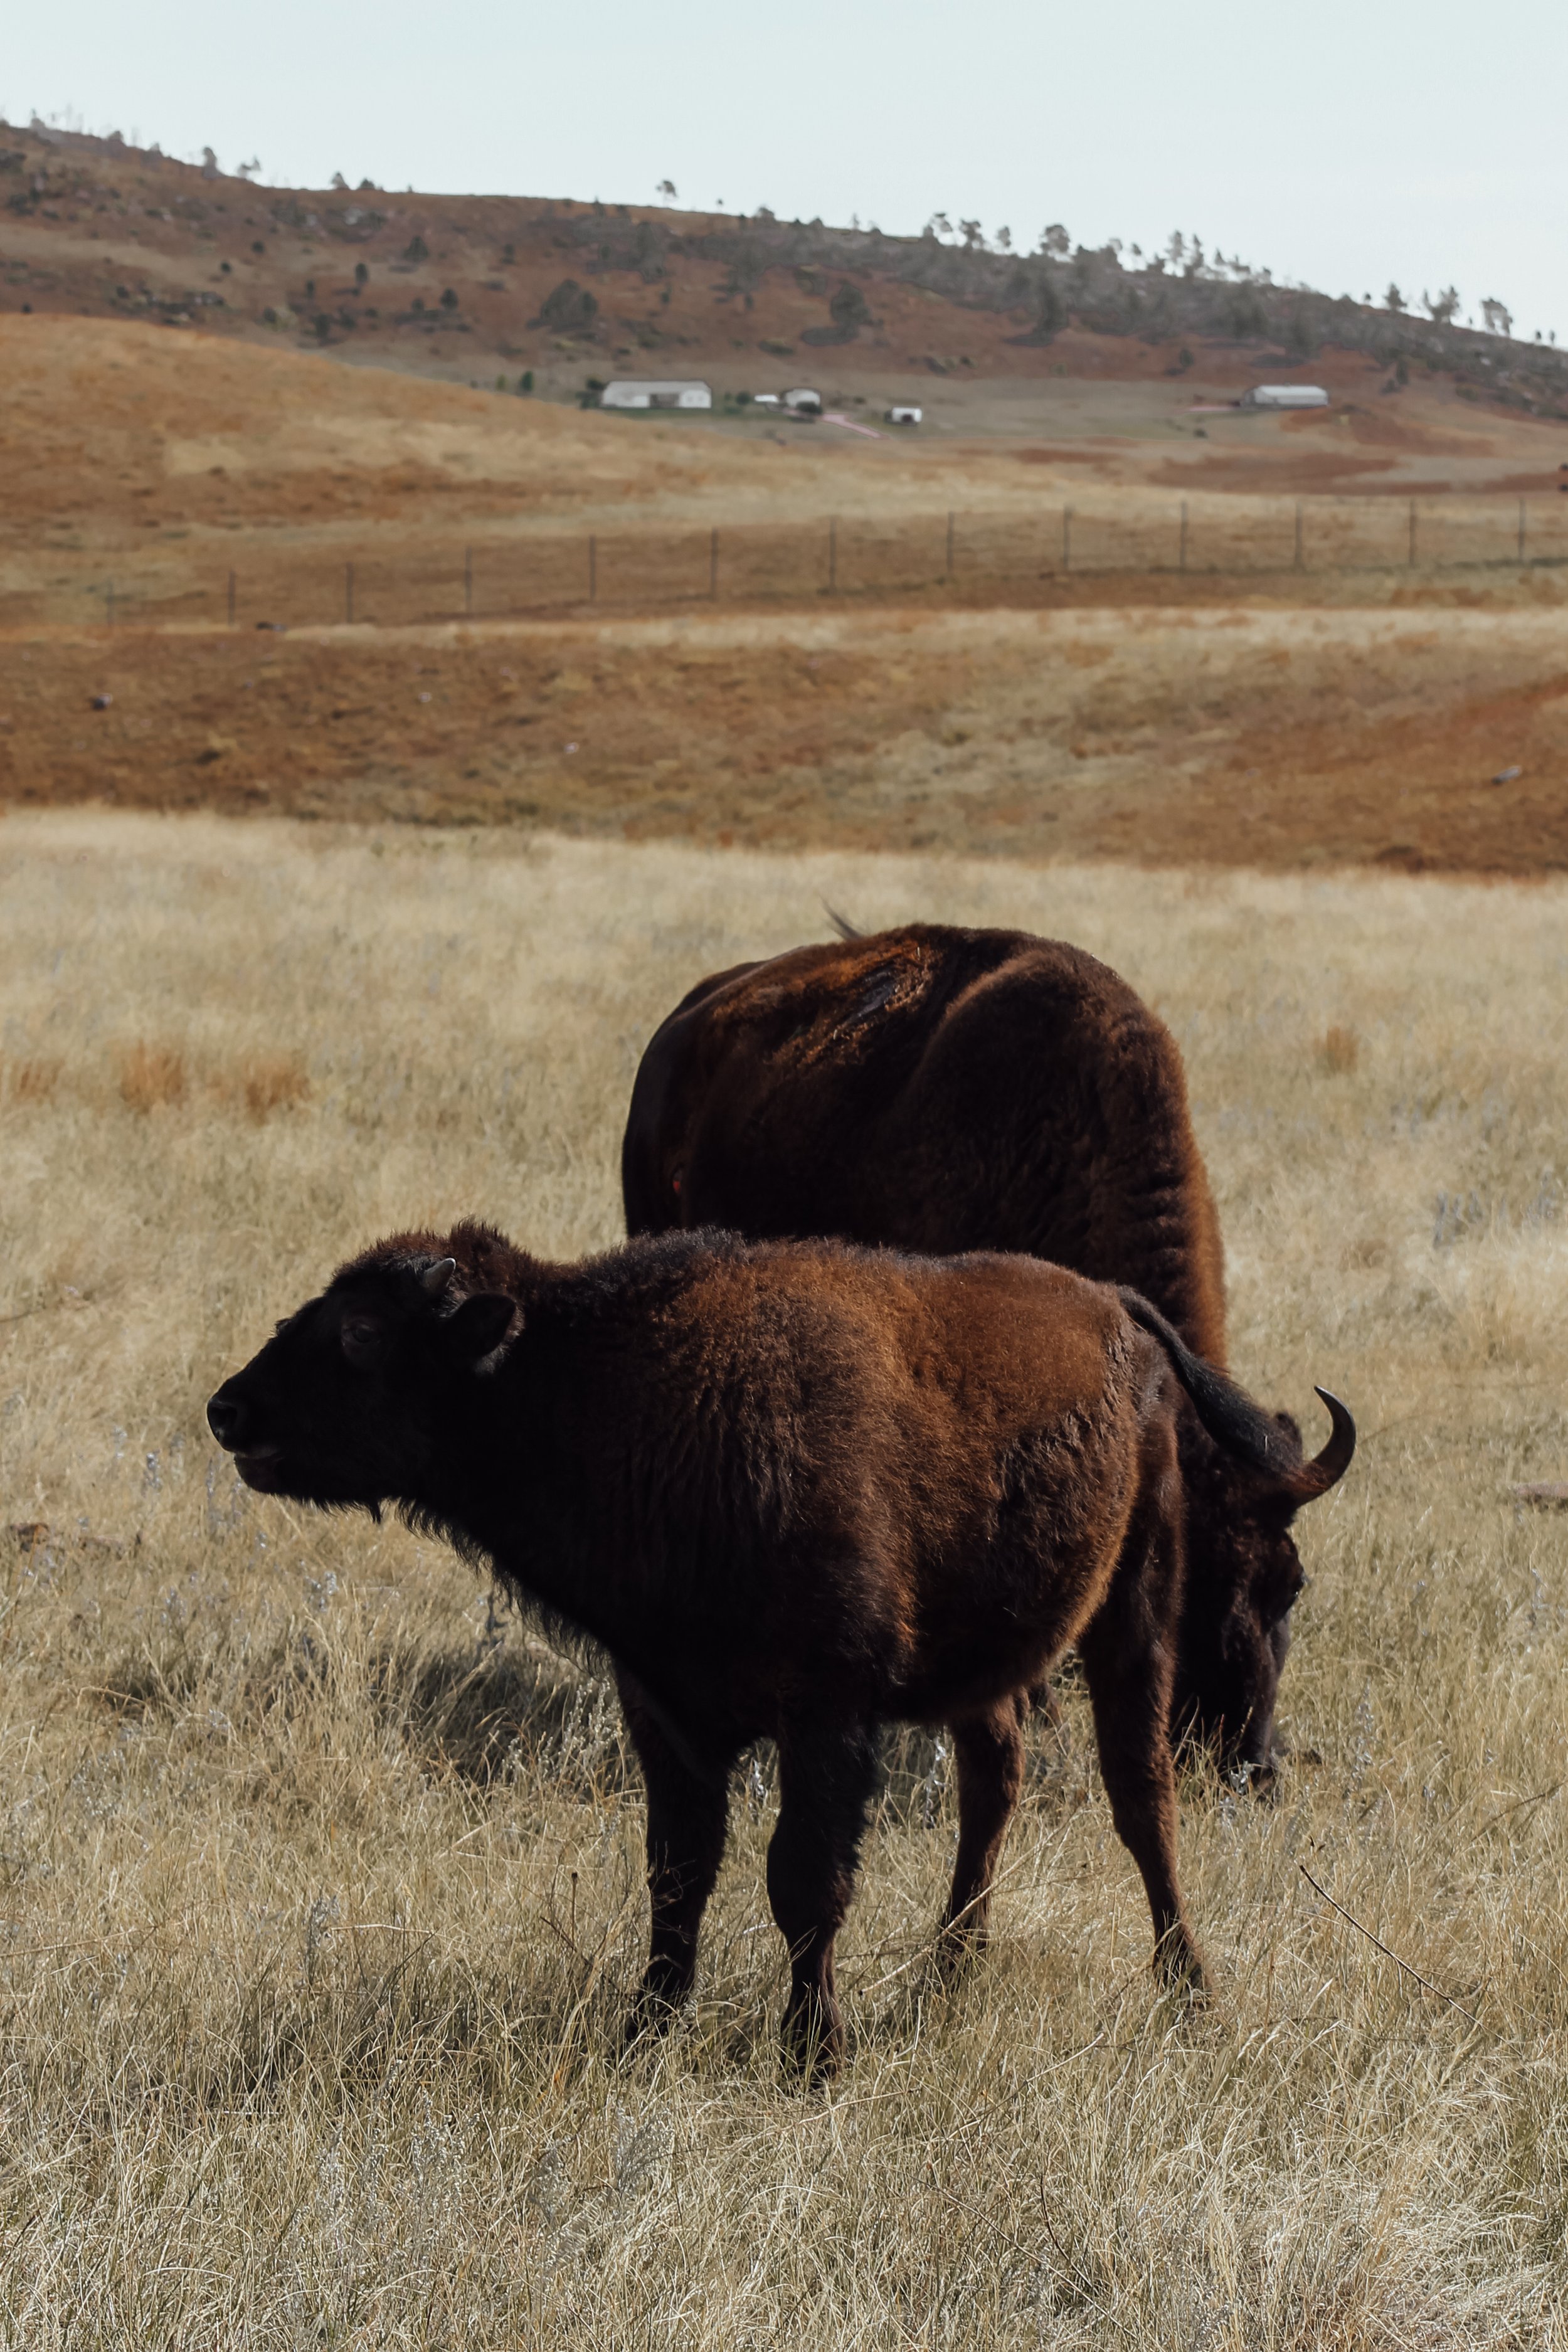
<point>348,592</point>
<point>593,567</point>
<point>1522,530</point>
<point>468,583</point>
<point>1300,558</point>
<point>1182,559</point>
<point>948,574</point>
<point>231,593</point>
<point>1067,539</point>
<point>714,564</point>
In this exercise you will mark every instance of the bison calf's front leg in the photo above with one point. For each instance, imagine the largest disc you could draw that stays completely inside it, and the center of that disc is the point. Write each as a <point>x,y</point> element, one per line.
<point>826,1773</point>
<point>688,1820</point>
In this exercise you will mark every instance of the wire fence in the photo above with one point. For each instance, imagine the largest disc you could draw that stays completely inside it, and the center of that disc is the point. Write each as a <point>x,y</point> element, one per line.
<point>976,556</point>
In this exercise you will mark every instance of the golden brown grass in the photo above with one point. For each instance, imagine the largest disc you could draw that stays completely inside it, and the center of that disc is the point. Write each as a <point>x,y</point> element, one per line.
<point>322,1880</point>
<point>1341,1047</point>
<point>32,1080</point>
<point>150,1077</point>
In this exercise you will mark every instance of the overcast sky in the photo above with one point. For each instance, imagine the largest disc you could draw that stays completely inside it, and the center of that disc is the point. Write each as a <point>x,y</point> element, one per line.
<point>1342,143</point>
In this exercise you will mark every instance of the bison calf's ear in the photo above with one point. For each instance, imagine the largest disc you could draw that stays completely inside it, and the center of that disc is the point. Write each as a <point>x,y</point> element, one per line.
<point>479,1324</point>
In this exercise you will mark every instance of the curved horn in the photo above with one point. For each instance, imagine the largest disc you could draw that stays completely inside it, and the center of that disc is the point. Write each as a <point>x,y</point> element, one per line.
<point>1305,1484</point>
<point>435,1278</point>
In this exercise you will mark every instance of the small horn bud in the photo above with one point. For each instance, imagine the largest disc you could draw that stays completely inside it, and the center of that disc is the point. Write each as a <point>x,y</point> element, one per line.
<point>433,1282</point>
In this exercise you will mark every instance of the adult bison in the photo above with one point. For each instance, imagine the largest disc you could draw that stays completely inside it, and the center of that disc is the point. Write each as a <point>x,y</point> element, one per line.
<point>944,1090</point>
<point>794,1490</point>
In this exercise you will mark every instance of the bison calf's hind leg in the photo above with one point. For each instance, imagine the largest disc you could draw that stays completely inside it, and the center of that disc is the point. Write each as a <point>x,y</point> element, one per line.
<point>688,1820</point>
<point>1127,1654</point>
<point>826,1774</point>
<point>990,1750</point>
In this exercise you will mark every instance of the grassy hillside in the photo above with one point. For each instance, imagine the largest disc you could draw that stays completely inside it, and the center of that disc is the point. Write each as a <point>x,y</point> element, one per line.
<point>563,290</point>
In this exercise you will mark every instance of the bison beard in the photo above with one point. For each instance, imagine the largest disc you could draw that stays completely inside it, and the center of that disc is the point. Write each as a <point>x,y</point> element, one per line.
<point>794,1491</point>
<point>940,1090</point>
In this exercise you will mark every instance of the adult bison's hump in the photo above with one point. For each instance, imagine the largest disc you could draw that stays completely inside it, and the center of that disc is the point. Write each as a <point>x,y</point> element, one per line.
<point>938,1090</point>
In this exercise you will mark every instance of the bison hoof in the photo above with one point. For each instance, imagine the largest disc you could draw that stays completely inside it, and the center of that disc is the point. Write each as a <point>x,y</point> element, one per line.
<point>812,2042</point>
<point>1261,1780</point>
<point>1179,1966</point>
<point>650,2018</point>
<point>961,1941</point>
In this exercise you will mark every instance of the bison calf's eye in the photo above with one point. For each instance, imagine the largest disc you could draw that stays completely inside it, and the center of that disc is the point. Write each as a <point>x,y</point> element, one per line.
<point>362,1337</point>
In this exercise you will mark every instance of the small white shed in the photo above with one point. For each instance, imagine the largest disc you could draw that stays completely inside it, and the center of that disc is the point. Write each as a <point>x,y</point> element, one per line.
<point>764,399</point>
<point>804,400</point>
<point>655,392</point>
<point>1283,396</point>
<point>902,414</point>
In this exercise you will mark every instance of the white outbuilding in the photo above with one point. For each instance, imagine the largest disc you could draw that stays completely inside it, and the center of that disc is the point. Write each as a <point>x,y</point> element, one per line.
<point>1283,396</point>
<point>902,414</point>
<point>804,400</point>
<point>655,392</point>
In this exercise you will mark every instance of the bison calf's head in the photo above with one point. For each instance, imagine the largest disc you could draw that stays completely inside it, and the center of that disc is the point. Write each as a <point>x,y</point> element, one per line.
<point>340,1406</point>
<point>1244,1575</point>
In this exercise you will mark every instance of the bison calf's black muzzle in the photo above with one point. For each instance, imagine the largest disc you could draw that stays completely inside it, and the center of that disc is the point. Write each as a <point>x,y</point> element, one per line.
<point>233,1424</point>
<point>226,1419</point>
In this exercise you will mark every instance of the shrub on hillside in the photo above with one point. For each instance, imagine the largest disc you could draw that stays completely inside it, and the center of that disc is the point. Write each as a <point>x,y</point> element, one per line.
<point>567,309</point>
<point>1050,310</point>
<point>849,309</point>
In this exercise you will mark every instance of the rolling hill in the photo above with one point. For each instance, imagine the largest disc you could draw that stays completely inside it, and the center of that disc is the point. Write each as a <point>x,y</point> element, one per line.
<point>565,292</point>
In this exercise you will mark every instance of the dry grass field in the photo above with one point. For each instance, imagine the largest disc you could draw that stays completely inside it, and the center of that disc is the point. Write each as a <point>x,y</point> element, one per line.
<point>321,1882</point>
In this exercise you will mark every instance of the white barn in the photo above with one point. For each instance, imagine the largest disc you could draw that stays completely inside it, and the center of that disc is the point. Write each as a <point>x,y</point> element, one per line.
<point>804,400</point>
<point>655,392</point>
<point>1283,396</point>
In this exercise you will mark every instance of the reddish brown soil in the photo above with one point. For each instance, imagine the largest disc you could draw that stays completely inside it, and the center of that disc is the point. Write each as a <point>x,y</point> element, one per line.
<point>1260,471</point>
<point>1221,738</point>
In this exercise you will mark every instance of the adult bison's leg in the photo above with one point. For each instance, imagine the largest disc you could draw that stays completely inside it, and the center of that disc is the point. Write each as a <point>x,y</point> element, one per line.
<point>826,1773</point>
<point>1128,1651</point>
<point>990,1748</point>
<point>688,1819</point>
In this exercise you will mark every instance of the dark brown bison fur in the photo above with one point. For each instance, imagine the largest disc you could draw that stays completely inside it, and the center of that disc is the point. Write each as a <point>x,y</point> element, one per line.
<point>794,1491</point>
<point>944,1090</point>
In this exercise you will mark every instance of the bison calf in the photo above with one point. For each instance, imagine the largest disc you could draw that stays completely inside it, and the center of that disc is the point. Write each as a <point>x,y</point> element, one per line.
<point>794,1490</point>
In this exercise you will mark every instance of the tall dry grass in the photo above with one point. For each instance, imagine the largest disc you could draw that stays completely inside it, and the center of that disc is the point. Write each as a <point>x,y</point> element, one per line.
<point>321,1879</point>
